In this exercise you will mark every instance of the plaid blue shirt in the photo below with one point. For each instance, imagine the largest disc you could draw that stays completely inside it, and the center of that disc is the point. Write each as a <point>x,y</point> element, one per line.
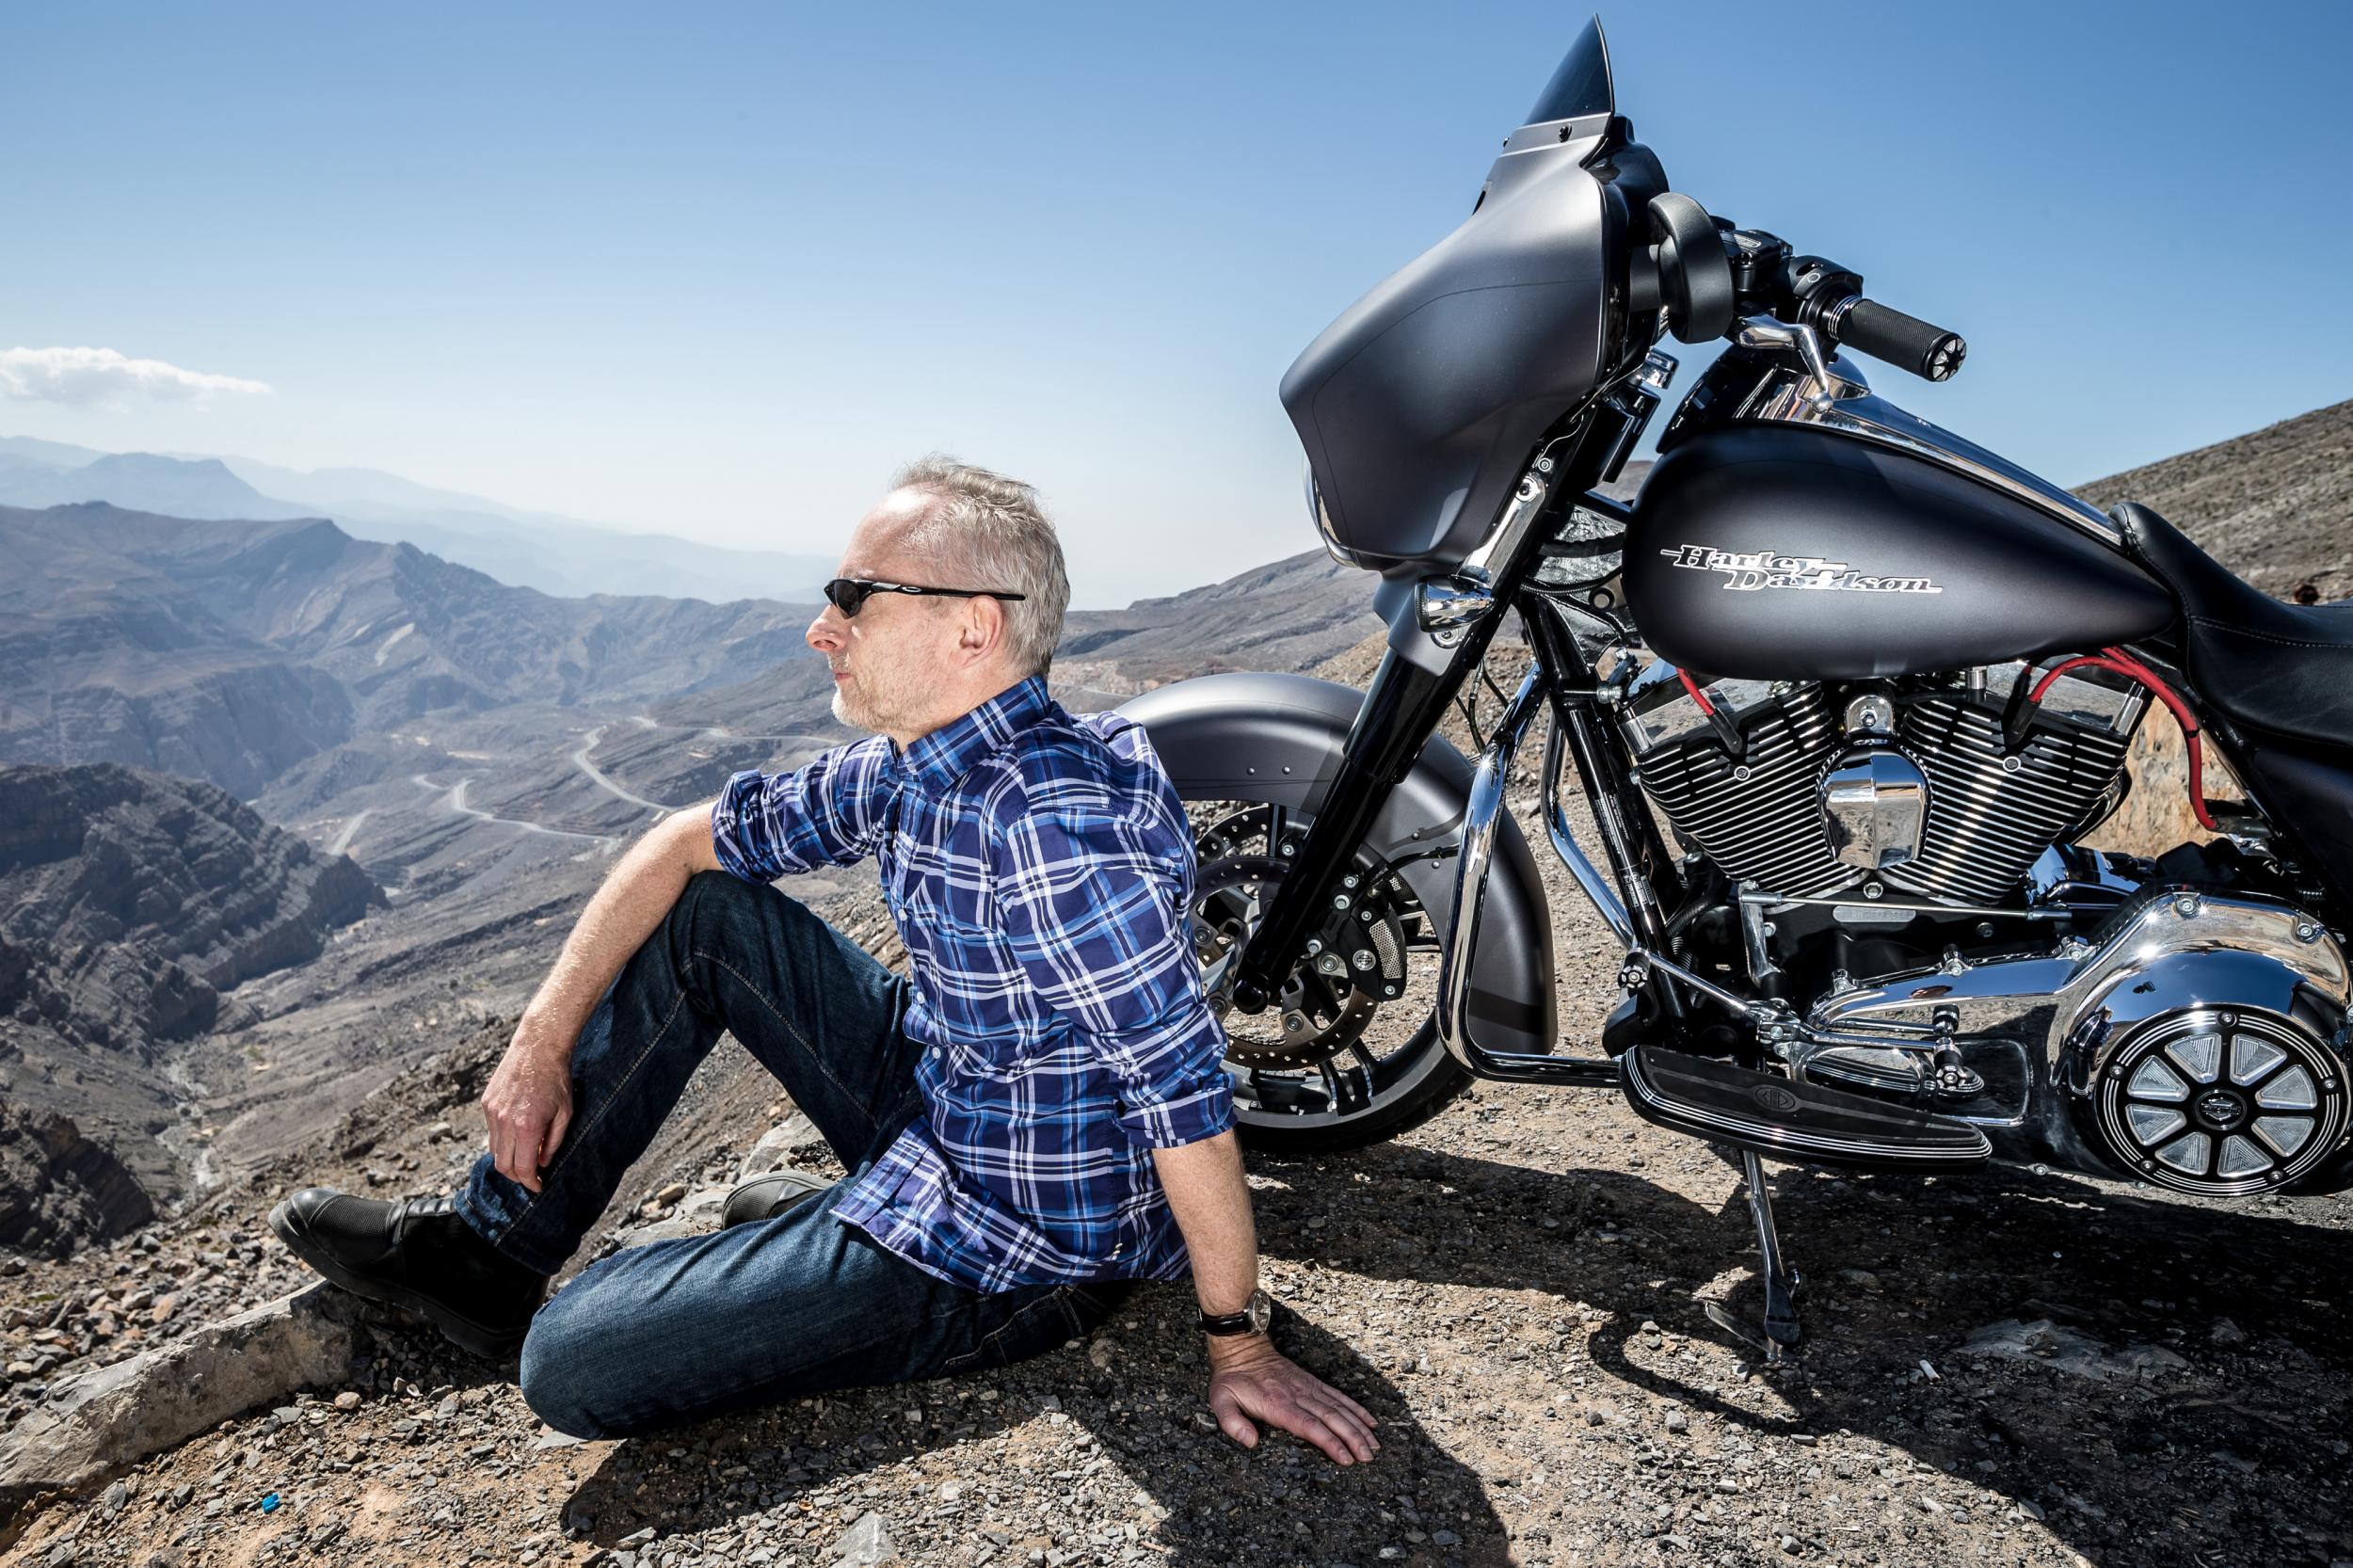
<point>1040,867</point>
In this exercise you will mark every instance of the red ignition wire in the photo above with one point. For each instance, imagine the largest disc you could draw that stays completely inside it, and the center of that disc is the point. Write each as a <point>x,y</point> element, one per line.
<point>2117,661</point>
<point>1697,696</point>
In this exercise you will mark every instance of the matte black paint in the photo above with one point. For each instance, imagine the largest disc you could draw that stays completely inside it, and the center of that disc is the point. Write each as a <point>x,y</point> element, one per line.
<point>1420,405</point>
<point>2013,582</point>
<point>1277,739</point>
<point>2312,792</point>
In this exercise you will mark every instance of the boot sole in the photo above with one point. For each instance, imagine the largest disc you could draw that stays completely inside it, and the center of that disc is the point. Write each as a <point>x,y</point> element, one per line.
<point>458,1329</point>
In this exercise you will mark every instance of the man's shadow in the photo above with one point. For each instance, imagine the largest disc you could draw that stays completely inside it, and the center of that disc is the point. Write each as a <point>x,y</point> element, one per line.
<point>1171,1483</point>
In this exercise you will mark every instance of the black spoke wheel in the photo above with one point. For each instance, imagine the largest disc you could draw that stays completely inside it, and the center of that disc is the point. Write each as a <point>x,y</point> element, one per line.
<point>1348,1051</point>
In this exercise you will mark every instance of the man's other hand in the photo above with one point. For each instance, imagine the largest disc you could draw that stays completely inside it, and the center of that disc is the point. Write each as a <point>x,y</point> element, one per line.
<point>1249,1381</point>
<point>528,1103</point>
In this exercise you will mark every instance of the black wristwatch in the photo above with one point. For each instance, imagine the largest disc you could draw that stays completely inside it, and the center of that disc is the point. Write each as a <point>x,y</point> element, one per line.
<point>1252,1319</point>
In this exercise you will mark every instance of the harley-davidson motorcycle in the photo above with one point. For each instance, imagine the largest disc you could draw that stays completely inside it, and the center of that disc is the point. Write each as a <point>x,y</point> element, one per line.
<point>1843,693</point>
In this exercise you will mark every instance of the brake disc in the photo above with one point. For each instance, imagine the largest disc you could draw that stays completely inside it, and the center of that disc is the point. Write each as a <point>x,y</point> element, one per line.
<point>1356,957</point>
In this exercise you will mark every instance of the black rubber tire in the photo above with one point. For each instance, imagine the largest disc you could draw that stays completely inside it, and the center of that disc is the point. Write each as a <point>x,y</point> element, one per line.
<point>1432,1096</point>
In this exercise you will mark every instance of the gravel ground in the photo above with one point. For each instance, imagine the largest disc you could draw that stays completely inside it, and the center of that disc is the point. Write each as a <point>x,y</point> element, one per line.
<point>2006,1368</point>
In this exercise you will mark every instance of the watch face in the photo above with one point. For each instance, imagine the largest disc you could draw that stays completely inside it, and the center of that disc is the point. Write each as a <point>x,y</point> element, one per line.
<point>1261,1310</point>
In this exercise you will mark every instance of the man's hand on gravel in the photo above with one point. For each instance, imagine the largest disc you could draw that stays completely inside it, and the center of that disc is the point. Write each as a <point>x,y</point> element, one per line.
<point>1249,1381</point>
<point>528,1103</point>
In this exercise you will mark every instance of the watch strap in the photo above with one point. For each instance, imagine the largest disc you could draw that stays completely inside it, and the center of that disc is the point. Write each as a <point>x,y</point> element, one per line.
<point>1252,1319</point>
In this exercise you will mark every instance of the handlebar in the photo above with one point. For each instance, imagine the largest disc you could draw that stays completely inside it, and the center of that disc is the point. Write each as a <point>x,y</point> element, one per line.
<point>1707,290</point>
<point>1886,333</point>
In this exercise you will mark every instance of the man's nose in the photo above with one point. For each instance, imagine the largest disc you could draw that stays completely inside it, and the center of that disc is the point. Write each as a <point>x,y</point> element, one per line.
<point>829,631</point>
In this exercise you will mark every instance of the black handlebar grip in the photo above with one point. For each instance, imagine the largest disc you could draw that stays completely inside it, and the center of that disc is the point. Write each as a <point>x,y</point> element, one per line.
<point>1905,341</point>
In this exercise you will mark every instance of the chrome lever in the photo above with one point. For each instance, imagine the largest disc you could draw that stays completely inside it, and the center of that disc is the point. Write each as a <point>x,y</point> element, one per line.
<point>1765,332</point>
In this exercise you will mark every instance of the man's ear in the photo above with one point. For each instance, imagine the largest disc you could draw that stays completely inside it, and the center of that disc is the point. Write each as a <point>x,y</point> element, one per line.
<point>982,632</point>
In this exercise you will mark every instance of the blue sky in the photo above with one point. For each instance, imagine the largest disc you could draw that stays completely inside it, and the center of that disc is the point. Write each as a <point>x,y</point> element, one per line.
<point>717,270</point>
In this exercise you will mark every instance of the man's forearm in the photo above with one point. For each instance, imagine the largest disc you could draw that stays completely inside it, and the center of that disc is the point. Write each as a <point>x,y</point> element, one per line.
<point>1212,1202</point>
<point>635,896</point>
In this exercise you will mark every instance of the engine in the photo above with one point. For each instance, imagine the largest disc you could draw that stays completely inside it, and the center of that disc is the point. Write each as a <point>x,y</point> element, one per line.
<point>1948,791</point>
<point>1900,855</point>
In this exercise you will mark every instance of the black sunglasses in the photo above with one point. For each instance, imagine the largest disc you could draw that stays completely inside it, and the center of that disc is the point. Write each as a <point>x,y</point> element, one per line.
<point>846,594</point>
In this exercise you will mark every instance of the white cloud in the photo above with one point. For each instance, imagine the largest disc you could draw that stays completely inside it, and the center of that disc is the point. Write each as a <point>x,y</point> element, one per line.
<point>83,376</point>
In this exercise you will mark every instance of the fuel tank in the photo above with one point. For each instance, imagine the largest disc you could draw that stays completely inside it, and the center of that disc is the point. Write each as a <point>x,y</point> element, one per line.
<point>1778,553</point>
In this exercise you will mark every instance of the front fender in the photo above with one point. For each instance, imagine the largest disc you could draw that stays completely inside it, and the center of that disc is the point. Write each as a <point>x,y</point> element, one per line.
<point>1276,739</point>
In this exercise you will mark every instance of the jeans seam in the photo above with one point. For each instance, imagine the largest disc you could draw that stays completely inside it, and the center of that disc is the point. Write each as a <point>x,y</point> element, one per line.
<point>580,1136</point>
<point>989,1341</point>
<point>816,1057</point>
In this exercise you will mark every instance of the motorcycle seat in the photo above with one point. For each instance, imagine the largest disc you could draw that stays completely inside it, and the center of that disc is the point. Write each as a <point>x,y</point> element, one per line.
<point>2268,665</point>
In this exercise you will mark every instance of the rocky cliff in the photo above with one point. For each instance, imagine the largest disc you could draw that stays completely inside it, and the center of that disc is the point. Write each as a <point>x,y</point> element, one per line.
<point>130,903</point>
<point>58,1188</point>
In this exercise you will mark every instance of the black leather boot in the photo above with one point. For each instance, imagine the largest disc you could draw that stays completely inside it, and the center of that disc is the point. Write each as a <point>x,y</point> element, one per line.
<point>419,1254</point>
<point>765,1197</point>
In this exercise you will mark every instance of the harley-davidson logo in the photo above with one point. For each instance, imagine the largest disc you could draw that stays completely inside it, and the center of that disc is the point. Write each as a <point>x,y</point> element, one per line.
<point>1747,570</point>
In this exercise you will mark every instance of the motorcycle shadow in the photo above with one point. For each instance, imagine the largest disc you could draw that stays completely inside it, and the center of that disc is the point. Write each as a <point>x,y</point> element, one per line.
<point>2174,1386</point>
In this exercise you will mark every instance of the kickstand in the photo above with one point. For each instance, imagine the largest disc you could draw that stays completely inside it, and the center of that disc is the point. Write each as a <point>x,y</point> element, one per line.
<point>1780,1281</point>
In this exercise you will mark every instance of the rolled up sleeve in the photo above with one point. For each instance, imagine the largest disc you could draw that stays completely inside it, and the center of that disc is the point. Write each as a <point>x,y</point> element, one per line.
<point>1095,914</point>
<point>828,813</point>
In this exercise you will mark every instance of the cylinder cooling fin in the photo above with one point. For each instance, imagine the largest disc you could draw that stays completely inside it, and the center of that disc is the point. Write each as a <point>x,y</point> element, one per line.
<point>1758,815</point>
<point>1997,808</point>
<point>1942,792</point>
<point>2220,1103</point>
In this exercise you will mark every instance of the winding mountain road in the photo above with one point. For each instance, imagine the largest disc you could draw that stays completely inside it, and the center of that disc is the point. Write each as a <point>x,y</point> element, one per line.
<point>456,801</point>
<point>580,761</point>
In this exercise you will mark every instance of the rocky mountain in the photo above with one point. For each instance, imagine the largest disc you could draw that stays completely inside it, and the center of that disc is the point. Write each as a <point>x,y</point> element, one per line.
<point>132,905</point>
<point>2275,505</point>
<point>546,550</point>
<point>231,650</point>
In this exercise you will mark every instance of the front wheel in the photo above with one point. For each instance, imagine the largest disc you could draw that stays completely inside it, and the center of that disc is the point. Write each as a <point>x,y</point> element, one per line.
<point>1348,1052</point>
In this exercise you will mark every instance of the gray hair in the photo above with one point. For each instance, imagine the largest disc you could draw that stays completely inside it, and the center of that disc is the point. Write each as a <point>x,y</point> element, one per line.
<point>990,533</point>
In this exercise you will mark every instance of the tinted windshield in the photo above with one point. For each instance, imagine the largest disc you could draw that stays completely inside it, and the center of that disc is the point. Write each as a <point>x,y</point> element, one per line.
<point>1581,85</point>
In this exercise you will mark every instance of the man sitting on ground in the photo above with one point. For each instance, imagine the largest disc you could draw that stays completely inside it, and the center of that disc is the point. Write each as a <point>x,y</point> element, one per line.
<point>1032,1120</point>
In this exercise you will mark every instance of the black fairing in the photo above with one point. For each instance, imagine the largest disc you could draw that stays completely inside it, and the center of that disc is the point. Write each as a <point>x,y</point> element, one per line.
<point>1420,405</point>
<point>1934,571</point>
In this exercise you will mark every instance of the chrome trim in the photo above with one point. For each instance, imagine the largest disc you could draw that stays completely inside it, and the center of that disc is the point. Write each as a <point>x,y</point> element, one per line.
<point>1838,398</point>
<point>2074,1008</point>
<point>1788,1142</point>
<point>1590,881</point>
<point>1638,396</point>
<point>1656,372</point>
<point>1481,812</point>
<point>1775,901</point>
<point>1875,805</point>
<point>1765,332</point>
<point>1504,537</point>
<point>1444,606</point>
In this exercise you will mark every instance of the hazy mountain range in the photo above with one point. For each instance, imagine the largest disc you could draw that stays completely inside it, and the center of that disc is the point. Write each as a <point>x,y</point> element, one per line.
<point>553,553</point>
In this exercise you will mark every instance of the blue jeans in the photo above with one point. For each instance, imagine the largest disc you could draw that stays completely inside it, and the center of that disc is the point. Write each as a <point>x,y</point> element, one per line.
<point>676,1331</point>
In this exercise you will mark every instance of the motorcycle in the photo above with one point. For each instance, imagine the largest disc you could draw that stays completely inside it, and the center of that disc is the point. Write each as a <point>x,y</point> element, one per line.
<point>1843,693</point>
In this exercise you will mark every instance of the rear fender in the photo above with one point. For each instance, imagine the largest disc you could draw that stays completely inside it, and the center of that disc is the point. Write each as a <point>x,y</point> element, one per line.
<point>1277,739</point>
